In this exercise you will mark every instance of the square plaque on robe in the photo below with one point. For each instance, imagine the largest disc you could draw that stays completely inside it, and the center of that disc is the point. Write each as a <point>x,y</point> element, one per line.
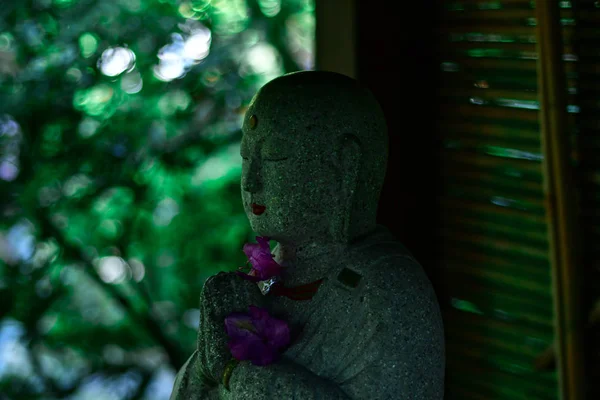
<point>349,278</point>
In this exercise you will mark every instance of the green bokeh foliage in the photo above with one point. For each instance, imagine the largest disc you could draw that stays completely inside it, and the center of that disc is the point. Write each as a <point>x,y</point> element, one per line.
<point>118,202</point>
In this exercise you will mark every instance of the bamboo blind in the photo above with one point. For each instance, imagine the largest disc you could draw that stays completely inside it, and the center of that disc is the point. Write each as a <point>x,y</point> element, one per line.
<point>581,34</point>
<point>497,256</point>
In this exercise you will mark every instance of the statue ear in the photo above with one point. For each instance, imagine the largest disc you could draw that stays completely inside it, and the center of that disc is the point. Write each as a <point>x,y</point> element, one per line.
<point>350,160</point>
<point>349,163</point>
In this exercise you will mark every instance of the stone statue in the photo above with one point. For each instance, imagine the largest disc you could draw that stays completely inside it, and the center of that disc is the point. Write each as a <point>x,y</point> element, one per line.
<point>314,152</point>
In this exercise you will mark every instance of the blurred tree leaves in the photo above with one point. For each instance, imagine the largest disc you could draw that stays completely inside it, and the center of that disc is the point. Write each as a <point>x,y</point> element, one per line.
<point>119,180</point>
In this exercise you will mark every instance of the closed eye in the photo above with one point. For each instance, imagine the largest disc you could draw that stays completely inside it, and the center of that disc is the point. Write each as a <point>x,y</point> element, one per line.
<point>275,158</point>
<point>269,158</point>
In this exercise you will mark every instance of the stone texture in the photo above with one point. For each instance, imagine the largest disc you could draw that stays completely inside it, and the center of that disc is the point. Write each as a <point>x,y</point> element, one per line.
<point>315,153</point>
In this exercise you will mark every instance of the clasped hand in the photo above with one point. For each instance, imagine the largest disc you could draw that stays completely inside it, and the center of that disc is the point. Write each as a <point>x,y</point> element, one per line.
<point>221,295</point>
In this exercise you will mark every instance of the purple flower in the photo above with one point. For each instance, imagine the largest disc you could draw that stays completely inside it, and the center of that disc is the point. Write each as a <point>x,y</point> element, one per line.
<point>256,336</point>
<point>263,265</point>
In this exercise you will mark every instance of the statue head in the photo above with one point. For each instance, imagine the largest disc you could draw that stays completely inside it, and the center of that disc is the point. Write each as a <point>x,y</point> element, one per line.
<point>314,152</point>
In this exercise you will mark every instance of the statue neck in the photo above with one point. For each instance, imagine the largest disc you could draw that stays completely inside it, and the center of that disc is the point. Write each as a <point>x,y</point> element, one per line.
<point>308,262</point>
<point>308,251</point>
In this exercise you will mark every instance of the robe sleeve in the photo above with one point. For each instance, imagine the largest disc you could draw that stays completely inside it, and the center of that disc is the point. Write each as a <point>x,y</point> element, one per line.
<point>282,380</point>
<point>412,363</point>
<point>190,384</point>
<point>410,337</point>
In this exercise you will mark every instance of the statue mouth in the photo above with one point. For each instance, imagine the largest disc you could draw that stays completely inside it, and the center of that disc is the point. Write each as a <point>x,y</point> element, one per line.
<point>258,209</point>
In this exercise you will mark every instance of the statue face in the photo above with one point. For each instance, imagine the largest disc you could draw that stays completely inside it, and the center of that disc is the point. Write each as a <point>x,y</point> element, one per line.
<point>288,187</point>
<point>315,151</point>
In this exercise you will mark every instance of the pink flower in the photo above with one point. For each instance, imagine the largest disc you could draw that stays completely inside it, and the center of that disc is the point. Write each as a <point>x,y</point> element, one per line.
<point>263,265</point>
<point>256,336</point>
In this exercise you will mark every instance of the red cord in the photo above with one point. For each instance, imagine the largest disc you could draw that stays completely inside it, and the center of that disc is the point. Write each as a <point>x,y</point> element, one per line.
<point>298,293</point>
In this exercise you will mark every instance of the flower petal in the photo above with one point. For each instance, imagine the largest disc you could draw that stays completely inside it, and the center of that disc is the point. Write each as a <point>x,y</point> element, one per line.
<point>256,336</point>
<point>269,269</point>
<point>250,248</point>
<point>258,313</point>
<point>263,241</point>
<point>237,324</point>
<point>265,357</point>
<point>246,349</point>
<point>260,257</point>
<point>277,333</point>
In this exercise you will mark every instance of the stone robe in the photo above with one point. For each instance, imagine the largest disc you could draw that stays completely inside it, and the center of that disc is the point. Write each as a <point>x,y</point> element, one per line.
<point>372,331</point>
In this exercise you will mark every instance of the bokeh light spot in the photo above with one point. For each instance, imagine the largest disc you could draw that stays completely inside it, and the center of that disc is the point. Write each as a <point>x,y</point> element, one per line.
<point>116,60</point>
<point>75,185</point>
<point>88,127</point>
<point>197,46</point>
<point>74,74</point>
<point>93,101</point>
<point>200,5</point>
<point>132,5</point>
<point>263,60</point>
<point>112,269</point>
<point>191,318</point>
<point>63,3</point>
<point>176,58</point>
<point>131,82</point>
<point>173,101</point>
<point>88,44</point>
<point>8,171</point>
<point>165,211</point>
<point>110,229</point>
<point>138,270</point>
<point>270,7</point>
<point>6,41</point>
<point>185,10</point>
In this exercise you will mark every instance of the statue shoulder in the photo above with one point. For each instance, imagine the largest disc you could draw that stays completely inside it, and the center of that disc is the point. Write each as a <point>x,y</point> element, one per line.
<point>387,266</point>
<point>389,282</point>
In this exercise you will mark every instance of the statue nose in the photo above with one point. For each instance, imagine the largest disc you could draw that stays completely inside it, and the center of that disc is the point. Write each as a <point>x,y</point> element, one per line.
<point>251,178</point>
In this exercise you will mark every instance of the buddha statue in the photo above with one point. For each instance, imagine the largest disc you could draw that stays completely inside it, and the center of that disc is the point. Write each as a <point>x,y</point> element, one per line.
<point>314,152</point>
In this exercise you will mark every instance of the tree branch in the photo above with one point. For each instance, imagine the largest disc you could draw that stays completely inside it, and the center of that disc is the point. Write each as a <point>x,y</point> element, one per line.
<point>153,326</point>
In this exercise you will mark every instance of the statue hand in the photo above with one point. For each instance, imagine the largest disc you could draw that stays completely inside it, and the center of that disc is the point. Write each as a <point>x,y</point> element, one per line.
<point>222,294</point>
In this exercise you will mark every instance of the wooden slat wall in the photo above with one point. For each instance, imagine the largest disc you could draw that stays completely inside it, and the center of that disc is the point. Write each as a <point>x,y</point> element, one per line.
<point>560,192</point>
<point>495,255</point>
